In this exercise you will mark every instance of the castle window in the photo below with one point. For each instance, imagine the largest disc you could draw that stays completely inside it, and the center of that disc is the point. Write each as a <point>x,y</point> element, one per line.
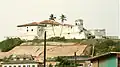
<point>81,64</point>
<point>28,65</point>
<point>14,66</point>
<point>19,66</point>
<point>27,30</point>
<point>75,23</point>
<point>31,29</point>
<point>68,33</point>
<point>18,58</point>
<point>5,66</point>
<point>24,58</point>
<point>23,65</point>
<point>71,27</point>
<point>33,65</point>
<point>10,66</point>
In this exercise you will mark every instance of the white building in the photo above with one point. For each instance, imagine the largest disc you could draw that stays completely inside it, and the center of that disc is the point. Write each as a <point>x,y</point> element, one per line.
<point>21,61</point>
<point>53,28</point>
<point>99,33</point>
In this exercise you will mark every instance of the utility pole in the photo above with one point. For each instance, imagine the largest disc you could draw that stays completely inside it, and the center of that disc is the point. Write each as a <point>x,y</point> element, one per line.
<point>45,49</point>
<point>75,58</point>
<point>93,48</point>
<point>118,17</point>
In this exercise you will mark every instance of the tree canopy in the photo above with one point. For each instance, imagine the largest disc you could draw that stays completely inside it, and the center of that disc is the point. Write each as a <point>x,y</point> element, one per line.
<point>10,43</point>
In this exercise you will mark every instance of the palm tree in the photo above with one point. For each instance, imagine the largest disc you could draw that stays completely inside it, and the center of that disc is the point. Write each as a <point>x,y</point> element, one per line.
<point>53,19</point>
<point>62,18</point>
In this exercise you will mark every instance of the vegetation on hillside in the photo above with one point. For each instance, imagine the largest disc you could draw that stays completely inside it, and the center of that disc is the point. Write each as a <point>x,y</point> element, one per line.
<point>63,62</point>
<point>106,46</point>
<point>100,45</point>
<point>10,43</point>
<point>56,39</point>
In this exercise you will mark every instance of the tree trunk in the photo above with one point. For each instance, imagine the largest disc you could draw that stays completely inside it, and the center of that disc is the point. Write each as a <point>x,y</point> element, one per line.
<point>53,30</point>
<point>61,30</point>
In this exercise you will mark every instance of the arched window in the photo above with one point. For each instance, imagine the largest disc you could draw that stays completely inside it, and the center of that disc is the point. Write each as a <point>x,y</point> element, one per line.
<point>23,65</point>
<point>33,65</point>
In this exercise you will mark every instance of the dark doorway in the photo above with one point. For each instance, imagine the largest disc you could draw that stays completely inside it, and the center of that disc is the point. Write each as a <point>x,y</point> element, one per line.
<point>118,62</point>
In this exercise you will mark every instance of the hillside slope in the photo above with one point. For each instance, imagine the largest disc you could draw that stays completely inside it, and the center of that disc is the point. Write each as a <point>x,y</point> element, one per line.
<point>52,51</point>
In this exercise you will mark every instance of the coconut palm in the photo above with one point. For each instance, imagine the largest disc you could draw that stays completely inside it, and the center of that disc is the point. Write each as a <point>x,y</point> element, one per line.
<point>53,19</point>
<point>62,18</point>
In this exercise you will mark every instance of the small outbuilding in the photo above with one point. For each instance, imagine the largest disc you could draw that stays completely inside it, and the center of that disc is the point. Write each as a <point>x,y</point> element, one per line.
<point>111,59</point>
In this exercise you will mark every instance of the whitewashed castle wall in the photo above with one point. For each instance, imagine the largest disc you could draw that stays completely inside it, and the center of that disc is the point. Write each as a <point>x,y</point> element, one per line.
<point>68,32</point>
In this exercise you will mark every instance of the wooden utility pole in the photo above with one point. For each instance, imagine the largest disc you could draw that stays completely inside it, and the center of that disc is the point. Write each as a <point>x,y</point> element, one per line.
<point>45,49</point>
<point>75,58</point>
<point>93,48</point>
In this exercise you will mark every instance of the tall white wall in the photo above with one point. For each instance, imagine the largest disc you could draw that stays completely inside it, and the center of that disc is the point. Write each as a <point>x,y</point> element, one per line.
<point>68,32</point>
<point>28,32</point>
<point>98,33</point>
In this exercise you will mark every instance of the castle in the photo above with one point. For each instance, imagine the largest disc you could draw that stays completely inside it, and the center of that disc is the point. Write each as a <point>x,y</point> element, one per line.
<point>55,29</point>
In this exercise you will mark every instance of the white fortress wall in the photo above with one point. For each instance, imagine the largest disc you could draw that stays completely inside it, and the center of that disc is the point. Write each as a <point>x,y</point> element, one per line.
<point>28,32</point>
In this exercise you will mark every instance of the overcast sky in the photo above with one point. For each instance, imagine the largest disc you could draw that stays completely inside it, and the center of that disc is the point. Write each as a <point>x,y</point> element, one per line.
<point>95,13</point>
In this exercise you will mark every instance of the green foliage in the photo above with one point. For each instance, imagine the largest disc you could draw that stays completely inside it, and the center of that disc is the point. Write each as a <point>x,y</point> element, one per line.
<point>5,59</point>
<point>64,62</point>
<point>10,43</point>
<point>117,47</point>
<point>37,40</point>
<point>50,65</point>
<point>57,39</point>
<point>107,46</point>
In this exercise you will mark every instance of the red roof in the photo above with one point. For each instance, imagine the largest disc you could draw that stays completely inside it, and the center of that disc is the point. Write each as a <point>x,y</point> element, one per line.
<point>43,22</point>
<point>50,22</point>
<point>29,24</point>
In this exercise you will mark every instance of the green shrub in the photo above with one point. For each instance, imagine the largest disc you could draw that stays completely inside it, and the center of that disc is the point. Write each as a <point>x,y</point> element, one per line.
<point>10,43</point>
<point>57,39</point>
<point>50,65</point>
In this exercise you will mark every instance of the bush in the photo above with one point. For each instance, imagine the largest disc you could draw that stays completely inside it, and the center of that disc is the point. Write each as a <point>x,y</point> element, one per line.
<point>50,65</point>
<point>107,46</point>
<point>57,39</point>
<point>10,43</point>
